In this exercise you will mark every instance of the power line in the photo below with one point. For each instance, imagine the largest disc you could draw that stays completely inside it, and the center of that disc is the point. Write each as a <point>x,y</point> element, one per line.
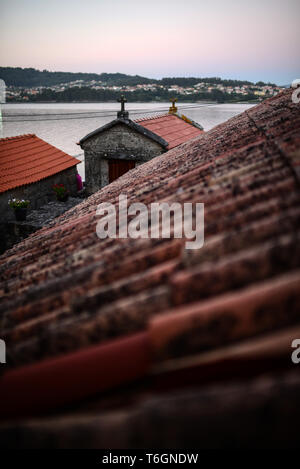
<point>104,113</point>
<point>70,113</point>
<point>109,111</point>
<point>87,114</point>
<point>79,113</point>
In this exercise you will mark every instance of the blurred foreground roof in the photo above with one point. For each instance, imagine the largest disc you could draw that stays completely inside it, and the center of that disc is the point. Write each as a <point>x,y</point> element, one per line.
<point>141,343</point>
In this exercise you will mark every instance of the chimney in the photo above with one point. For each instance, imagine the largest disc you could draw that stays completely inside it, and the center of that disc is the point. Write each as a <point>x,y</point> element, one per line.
<point>173,108</point>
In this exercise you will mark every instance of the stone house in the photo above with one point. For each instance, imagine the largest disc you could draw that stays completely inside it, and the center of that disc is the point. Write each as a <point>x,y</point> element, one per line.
<point>122,144</point>
<point>29,167</point>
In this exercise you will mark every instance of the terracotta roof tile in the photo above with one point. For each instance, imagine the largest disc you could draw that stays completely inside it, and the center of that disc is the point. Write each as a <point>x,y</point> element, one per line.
<point>199,318</point>
<point>26,159</point>
<point>172,128</point>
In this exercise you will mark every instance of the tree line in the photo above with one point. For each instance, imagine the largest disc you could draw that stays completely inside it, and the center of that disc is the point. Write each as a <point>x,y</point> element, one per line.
<point>87,94</point>
<point>30,77</point>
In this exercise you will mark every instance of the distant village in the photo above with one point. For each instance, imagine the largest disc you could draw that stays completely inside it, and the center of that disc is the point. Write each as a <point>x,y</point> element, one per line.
<point>258,91</point>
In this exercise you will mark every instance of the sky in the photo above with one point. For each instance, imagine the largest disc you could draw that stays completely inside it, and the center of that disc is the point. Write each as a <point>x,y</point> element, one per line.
<point>251,40</point>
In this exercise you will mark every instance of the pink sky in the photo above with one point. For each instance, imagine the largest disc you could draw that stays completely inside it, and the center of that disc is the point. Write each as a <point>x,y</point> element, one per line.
<point>254,40</point>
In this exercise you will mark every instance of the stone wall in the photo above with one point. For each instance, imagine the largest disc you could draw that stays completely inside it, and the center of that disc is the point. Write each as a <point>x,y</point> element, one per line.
<point>118,142</point>
<point>39,193</point>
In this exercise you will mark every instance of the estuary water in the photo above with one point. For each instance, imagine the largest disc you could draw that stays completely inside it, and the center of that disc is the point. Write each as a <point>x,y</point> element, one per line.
<point>64,124</point>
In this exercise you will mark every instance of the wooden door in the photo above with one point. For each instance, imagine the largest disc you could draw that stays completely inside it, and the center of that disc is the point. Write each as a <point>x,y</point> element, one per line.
<point>119,167</point>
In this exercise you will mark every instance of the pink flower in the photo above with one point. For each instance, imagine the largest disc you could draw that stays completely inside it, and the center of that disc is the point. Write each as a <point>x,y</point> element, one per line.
<point>79,182</point>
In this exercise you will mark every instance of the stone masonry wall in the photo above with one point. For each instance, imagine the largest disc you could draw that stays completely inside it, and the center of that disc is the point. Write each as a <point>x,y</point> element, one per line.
<point>119,142</point>
<point>39,193</point>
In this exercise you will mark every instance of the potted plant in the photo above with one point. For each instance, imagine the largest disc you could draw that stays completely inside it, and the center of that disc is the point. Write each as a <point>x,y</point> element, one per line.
<point>20,208</point>
<point>61,192</point>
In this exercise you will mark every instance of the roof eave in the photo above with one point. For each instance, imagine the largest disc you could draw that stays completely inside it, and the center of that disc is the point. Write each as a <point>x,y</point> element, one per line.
<point>188,120</point>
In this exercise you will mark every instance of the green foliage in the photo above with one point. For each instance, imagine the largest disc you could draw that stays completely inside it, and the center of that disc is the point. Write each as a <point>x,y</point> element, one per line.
<point>86,94</point>
<point>60,190</point>
<point>18,203</point>
<point>192,81</point>
<point>30,77</point>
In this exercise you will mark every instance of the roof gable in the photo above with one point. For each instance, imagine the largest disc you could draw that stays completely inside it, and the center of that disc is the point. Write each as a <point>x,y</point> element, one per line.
<point>26,159</point>
<point>132,125</point>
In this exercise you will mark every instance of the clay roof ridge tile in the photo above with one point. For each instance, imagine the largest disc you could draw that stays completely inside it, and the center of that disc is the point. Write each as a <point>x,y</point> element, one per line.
<point>17,137</point>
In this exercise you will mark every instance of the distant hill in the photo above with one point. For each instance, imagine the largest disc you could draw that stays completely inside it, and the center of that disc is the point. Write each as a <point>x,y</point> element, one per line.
<point>30,77</point>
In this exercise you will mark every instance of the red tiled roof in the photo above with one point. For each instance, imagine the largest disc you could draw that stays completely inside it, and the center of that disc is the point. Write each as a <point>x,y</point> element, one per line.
<point>172,128</point>
<point>212,327</point>
<point>27,158</point>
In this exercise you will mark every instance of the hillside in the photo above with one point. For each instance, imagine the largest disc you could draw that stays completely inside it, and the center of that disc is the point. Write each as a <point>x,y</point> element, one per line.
<point>30,77</point>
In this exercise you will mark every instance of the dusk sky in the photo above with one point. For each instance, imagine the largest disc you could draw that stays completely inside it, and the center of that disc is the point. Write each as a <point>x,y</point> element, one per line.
<point>254,40</point>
